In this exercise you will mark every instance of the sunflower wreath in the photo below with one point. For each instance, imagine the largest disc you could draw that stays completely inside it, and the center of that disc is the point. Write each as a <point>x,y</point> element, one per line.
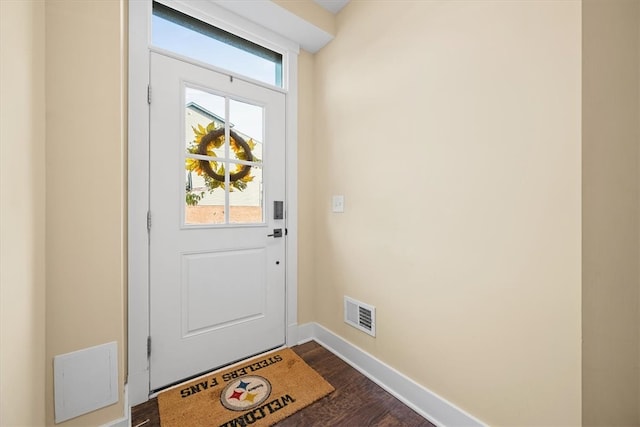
<point>205,142</point>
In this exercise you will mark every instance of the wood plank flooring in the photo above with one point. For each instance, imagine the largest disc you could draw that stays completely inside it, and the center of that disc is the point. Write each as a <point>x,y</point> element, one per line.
<point>357,401</point>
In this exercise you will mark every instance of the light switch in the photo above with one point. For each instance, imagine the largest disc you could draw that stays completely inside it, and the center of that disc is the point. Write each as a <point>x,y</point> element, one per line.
<point>338,203</point>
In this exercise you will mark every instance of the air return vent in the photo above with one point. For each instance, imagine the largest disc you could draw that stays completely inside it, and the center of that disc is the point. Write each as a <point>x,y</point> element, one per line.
<point>360,315</point>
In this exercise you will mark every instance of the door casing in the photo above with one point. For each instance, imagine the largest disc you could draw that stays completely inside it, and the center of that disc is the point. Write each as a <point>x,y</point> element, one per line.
<point>138,172</point>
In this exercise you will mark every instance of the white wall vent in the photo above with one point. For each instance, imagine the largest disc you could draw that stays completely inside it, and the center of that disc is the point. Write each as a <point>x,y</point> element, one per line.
<point>360,315</point>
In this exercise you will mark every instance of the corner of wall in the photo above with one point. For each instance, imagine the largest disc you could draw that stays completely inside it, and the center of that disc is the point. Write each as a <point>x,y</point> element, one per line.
<point>85,188</point>
<point>611,213</point>
<point>311,12</point>
<point>22,203</point>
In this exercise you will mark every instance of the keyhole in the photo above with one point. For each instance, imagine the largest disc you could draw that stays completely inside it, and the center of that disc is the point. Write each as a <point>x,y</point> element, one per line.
<point>277,262</point>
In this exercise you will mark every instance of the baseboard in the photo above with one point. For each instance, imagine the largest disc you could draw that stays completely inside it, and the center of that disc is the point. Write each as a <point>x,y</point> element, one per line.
<point>125,421</point>
<point>425,402</point>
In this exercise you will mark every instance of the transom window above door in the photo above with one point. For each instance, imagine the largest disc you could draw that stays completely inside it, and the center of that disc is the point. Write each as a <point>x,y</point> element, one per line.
<point>187,36</point>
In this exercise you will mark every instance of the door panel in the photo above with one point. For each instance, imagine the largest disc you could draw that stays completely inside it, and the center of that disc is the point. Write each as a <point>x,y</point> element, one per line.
<point>216,167</point>
<point>248,287</point>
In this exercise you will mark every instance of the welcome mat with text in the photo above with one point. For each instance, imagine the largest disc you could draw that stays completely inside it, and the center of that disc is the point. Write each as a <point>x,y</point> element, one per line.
<point>258,392</point>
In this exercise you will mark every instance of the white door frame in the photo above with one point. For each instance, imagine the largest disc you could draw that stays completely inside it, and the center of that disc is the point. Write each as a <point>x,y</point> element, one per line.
<point>138,169</point>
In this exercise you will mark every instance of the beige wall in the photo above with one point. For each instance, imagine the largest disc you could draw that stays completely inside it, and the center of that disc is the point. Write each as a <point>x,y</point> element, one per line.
<point>62,107</point>
<point>453,131</point>
<point>85,185</point>
<point>611,318</point>
<point>306,198</point>
<point>469,243</point>
<point>22,197</point>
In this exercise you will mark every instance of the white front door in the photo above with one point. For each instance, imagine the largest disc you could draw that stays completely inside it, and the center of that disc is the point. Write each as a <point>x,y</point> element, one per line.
<point>217,187</point>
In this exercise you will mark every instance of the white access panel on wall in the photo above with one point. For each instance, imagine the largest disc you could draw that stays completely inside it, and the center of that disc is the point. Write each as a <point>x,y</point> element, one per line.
<point>85,380</point>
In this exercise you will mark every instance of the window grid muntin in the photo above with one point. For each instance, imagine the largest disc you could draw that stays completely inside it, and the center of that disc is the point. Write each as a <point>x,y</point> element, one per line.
<point>227,160</point>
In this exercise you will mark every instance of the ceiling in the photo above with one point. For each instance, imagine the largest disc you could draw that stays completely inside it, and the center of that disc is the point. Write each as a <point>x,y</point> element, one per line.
<point>333,6</point>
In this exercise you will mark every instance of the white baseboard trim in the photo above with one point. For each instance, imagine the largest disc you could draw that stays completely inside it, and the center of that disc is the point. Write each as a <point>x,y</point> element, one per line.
<point>125,421</point>
<point>425,402</point>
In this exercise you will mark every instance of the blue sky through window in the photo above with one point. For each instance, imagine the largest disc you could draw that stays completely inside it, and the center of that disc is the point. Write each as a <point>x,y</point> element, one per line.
<point>187,42</point>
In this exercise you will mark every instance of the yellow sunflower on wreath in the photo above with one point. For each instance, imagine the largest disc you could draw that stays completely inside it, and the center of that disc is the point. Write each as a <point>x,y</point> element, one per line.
<point>205,143</point>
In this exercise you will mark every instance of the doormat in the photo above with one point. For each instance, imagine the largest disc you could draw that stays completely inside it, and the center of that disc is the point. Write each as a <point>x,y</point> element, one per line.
<point>257,392</point>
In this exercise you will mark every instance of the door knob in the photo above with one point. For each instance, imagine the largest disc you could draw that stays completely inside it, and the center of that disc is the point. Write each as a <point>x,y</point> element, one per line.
<point>277,232</point>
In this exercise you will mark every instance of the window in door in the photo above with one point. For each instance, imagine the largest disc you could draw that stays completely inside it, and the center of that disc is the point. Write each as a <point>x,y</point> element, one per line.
<point>223,159</point>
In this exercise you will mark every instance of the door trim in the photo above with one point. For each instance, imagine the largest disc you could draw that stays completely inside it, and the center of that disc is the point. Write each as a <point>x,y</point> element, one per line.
<point>139,31</point>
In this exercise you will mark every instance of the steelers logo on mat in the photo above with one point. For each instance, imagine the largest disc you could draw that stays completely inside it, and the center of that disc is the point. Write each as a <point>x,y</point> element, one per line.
<point>245,393</point>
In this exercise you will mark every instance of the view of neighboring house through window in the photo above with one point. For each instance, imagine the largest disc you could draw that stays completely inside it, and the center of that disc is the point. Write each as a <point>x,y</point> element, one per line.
<point>190,37</point>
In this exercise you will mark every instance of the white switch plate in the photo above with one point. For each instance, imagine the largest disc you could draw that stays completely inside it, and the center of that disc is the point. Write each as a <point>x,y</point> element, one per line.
<point>337,203</point>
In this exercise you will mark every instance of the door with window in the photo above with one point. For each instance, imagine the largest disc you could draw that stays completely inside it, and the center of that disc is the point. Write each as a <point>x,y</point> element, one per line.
<point>217,246</point>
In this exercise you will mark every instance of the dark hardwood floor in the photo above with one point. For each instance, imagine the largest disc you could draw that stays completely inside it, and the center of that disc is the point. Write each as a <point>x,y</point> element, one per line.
<point>357,401</point>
